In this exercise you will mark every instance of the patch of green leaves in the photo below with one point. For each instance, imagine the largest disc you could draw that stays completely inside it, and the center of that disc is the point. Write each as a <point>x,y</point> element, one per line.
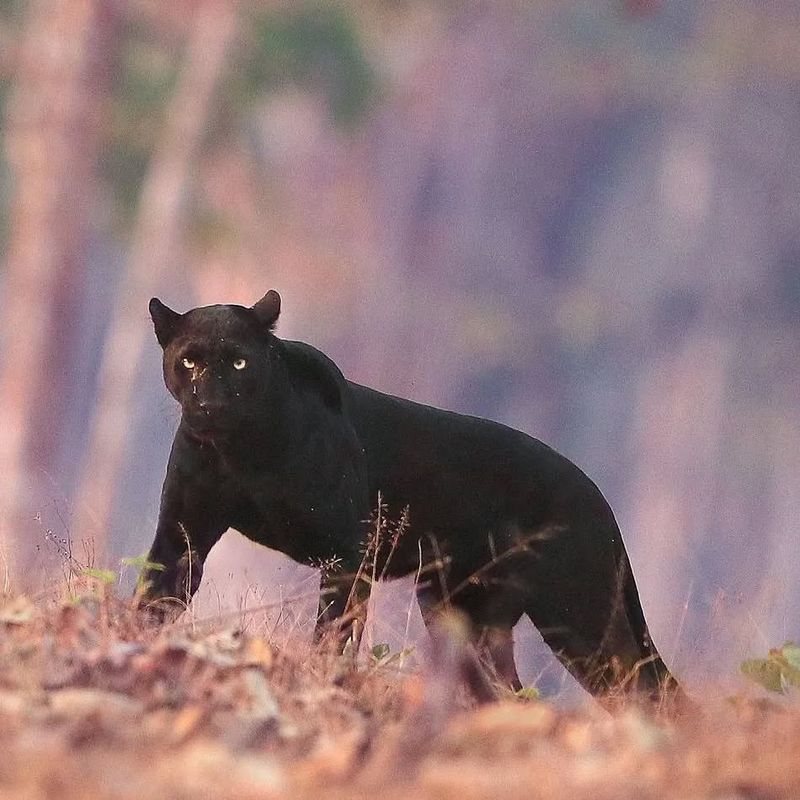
<point>12,12</point>
<point>382,655</point>
<point>316,47</point>
<point>380,651</point>
<point>141,563</point>
<point>107,576</point>
<point>145,568</point>
<point>778,672</point>
<point>143,84</point>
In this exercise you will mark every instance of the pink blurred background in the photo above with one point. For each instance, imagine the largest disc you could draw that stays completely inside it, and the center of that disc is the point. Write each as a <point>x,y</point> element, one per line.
<point>580,219</point>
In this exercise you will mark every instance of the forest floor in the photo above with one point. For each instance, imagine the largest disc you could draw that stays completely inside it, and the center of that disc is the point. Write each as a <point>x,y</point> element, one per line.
<point>93,704</point>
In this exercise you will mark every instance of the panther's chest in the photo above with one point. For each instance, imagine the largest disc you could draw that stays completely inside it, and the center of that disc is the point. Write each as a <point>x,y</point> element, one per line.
<point>306,522</point>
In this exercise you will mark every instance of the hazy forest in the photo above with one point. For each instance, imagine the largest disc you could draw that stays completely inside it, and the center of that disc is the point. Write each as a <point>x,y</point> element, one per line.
<point>579,219</point>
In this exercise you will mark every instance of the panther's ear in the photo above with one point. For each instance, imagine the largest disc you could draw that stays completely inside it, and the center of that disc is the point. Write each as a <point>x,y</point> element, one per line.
<point>268,309</point>
<point>165,321</point>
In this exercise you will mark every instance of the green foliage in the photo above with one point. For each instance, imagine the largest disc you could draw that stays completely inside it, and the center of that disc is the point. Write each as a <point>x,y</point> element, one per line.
<point>141,563</point>
<point>316,47</point>
<point>382,655</point>
<point>11,11</point>
<point>143,84</point>
<point>527,693</point>
<point>380,651</point>
<point>106,576</point>
<point>779,671</point>
<point>144,566</point>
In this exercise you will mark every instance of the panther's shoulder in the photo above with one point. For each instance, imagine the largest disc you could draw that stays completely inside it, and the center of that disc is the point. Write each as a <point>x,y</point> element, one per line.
<point>313,371</point>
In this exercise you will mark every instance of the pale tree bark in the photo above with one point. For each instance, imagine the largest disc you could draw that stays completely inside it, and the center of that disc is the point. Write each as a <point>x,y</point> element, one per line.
<point>676,442</point>
<point>778,606</point>
<point>52,124</point>
<point>156,244</point>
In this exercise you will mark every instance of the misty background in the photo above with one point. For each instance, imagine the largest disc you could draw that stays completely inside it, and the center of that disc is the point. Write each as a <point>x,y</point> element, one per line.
<point>579,219</point>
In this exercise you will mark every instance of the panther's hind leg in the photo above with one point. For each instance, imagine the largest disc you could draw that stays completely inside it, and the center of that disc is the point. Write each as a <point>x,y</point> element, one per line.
<point>488,662</point>
<point>495,646</point>
<point>601,653</point>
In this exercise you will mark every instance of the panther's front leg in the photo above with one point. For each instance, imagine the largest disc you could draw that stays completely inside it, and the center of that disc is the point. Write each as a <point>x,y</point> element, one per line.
<point>174,568</point>
<point>343,600</point>
<point>190,522</point>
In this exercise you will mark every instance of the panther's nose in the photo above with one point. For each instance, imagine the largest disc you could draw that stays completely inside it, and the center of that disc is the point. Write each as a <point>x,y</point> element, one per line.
<point>209,407</point>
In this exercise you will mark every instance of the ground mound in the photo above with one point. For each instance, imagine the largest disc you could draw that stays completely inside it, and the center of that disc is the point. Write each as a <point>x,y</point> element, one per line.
<point>94,704</point>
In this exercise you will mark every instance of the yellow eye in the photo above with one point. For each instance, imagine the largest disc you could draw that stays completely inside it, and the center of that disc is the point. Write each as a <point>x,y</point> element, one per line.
<point>240,363</point>
<point>188,363</point>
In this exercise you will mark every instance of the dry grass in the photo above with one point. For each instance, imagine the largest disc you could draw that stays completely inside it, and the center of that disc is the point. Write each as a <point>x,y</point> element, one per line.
<point>94,704</point>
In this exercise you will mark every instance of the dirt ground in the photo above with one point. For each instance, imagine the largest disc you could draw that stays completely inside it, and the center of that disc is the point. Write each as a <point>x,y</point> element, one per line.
<point>92,704</point>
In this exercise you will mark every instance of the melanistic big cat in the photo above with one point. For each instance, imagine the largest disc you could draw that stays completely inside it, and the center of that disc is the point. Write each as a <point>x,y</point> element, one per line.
<point>274,442</point>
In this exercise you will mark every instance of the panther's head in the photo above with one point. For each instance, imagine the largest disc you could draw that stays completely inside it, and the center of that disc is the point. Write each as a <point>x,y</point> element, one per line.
<point>219,361</point>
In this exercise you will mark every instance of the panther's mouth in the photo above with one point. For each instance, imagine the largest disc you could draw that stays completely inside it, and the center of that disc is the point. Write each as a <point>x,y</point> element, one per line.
<point>207,427</point>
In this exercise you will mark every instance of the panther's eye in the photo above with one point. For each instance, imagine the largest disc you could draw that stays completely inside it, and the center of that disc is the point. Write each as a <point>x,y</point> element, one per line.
<point>240,363</point>
<point>188,363</point>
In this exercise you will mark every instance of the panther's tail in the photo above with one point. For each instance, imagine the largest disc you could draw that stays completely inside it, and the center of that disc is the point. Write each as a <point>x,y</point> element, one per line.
<point>652,677</point>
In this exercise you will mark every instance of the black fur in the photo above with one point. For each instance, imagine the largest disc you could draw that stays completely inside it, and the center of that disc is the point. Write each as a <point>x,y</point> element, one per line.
<point>292,455</point>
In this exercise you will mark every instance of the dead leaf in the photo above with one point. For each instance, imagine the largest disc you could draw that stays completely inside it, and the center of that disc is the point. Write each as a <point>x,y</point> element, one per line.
<point>187,721</point>
<point>85,702</point>
<point>18,612</point>
<point>258,653</point>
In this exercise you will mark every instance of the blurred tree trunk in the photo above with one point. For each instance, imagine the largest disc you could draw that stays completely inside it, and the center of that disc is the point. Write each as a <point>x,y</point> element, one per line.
<point>156,244</point>
<point>677,445</point>
<point>53,122</point>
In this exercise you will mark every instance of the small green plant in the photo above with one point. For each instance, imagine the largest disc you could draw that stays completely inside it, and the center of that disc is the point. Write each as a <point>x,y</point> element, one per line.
<point>106,576</point>
<point>381,655</point>
<point>98,589</point>
<point>380,651</point>
<point>101,579</point>
<point>778,672</point>
<point>142,564</point>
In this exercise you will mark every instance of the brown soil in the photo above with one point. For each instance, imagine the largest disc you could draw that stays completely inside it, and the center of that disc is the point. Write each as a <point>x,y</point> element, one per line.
<point>92,704</point>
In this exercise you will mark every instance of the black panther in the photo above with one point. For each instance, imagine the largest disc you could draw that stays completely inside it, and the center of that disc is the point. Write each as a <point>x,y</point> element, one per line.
<point>274,442</point>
